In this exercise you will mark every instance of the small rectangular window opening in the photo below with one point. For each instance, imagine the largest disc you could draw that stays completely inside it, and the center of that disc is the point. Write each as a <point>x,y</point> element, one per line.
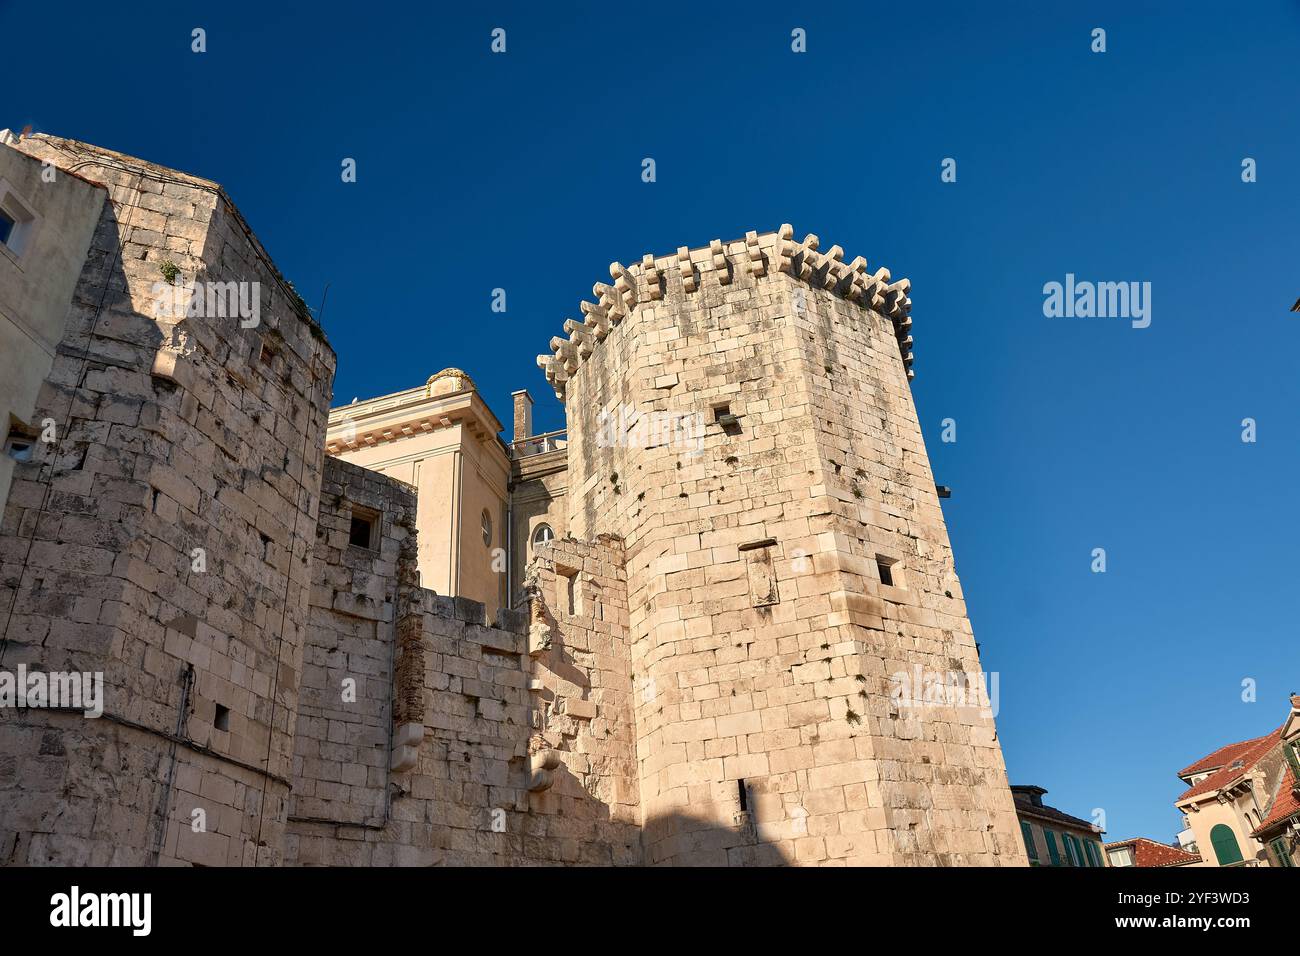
<point>221,720</point>
<point>572,591</point>
<point>743,794</point>
<point>885,567</point>
<point>16,223</point>
<point>19,447</point>
<point>361,534</point>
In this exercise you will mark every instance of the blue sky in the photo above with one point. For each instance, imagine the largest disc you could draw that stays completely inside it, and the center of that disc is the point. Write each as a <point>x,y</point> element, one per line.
<point>522,171</point>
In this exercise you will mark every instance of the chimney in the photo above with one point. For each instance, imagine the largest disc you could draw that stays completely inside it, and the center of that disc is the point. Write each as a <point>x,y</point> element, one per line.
<point>523,414</point>
<point>1295,698</point>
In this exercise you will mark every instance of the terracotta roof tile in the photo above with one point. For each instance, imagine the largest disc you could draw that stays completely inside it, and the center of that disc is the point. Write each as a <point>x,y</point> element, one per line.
<point>1285,805</point>
<point>1241,758</point>
<point>1150,853</point>
<point>1220,758</point>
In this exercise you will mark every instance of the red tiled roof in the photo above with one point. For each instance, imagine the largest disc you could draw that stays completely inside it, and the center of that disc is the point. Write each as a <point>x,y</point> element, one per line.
<point>1150,853</point>
<point>1285,805</point>
<point>1240,758</point>
<point>1220,758</point>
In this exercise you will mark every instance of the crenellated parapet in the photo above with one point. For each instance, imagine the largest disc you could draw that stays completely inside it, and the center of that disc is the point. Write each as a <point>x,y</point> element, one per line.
<point>756,255</point>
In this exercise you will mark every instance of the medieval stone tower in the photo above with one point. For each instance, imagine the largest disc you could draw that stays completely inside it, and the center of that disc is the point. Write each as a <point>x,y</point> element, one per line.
<point>740,417</point>
<point>701,664</point>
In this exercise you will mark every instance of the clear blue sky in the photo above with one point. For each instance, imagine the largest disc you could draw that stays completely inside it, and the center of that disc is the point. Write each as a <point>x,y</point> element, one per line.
<point>522,171</point>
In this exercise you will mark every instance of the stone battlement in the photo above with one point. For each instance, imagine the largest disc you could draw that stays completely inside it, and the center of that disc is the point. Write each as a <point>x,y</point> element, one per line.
<point>721,263</point>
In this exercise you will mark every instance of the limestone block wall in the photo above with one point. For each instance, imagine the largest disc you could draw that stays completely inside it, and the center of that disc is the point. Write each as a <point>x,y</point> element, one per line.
<point>757,617</point>
<point>163,540</point>
<point>581,696</point>
<point>431,763</point>
<point>942,778</point>
<point>345,724</point>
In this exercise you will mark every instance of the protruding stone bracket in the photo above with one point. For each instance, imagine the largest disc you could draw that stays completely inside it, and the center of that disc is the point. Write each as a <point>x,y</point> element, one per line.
<point>760,254</point>
<point>721,268</point>
<point>541,764</point>
<point>686,268</point>
<point>757,264</point>
<point>406,746</point>
<point>654,286</point>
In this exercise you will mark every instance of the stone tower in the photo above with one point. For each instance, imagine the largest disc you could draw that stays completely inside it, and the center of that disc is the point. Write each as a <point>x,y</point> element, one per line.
<point>163,540</point>
<point>740,416</point>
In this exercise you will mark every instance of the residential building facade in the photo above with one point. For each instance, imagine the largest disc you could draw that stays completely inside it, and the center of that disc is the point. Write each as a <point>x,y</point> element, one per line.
<point>1052,837</point>
<point>1240,802</point>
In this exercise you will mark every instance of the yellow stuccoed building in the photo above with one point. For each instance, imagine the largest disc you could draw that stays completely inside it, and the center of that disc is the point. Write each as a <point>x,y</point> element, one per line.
<point>441,439</point>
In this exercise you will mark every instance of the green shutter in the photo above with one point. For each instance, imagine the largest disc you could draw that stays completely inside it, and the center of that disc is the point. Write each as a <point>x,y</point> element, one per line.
<point>1027,832</point>
<point>1280,851</point>
<point>1094,852</point>
<point>1071,849</point>
<point>1292,751</point>
<point>1225,845</point>
<point>1052,853</point>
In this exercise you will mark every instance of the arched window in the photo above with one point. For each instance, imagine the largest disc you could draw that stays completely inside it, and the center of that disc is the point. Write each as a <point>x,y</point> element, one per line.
<point>542,534</point>
<point>1225,844</point>
<point>487,528</point>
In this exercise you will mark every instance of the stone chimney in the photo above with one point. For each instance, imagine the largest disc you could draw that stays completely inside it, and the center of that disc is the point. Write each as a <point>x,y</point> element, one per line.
<point>523,414</point>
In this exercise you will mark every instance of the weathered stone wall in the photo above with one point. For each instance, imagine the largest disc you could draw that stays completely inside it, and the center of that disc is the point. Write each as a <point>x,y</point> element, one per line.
<point>757,617</point>
<point>163,540</point>
<point>345,713</point>
<point>581,696</point>
<point>701,675</point>
<point>460,788</point>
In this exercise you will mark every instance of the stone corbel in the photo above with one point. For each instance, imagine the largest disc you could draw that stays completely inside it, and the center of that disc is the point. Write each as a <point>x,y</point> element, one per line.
<point>783,251</point>
<point>611,302</point>
<point>654,287</point>
<point>757,264</point>
<point>542,761</point>
<point>808,255</point>
<point>720,268</point>
<point>582,340</point>
<point>855,288</point>
<point>597,324</point>
<point>686,268</point>
<point>566,353</point>
<point>406,747</point>
<point>624,284</point>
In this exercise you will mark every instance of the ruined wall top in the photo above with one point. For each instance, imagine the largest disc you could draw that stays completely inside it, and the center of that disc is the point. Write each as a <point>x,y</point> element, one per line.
<point>758,254</point>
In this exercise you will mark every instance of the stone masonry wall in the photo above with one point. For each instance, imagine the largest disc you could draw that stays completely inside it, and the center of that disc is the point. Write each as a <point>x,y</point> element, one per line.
<point>460,788</point>
<point>757,617</point>
<point>581,690</point>
<point>163,541</point>
<point>345,714</point>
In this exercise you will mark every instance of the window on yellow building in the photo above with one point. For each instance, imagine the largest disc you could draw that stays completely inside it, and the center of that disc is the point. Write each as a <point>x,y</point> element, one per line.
<point>1225,845</point>
<point>1052,853</point>
<point>1281,853</point>
<point>1071,849</point>
<point>1027,831</point>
